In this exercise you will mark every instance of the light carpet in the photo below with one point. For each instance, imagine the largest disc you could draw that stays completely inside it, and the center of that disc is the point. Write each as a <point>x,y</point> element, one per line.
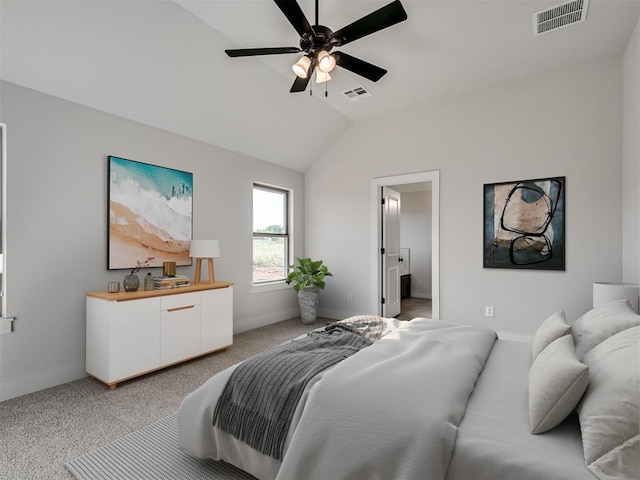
<point>148,454</point>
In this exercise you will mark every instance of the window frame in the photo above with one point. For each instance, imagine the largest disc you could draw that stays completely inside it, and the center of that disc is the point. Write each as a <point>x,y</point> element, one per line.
<point>287,235</point>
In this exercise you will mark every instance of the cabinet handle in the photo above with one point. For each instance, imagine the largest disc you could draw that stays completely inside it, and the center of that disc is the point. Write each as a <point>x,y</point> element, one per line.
<point>180,308</point>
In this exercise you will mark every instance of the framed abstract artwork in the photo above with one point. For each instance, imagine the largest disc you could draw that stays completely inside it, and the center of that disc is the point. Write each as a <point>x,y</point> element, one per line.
<point>524,224</point>
<point>150,214</point>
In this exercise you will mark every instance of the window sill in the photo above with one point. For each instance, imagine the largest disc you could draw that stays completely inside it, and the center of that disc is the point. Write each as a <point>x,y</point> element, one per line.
<point>269,287</point>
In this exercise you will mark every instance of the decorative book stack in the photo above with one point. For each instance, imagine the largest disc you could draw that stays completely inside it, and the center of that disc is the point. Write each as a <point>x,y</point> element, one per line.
<point>160,283</point>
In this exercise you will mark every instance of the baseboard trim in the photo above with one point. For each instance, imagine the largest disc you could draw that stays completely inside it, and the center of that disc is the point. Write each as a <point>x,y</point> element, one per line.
<point>17,387</point>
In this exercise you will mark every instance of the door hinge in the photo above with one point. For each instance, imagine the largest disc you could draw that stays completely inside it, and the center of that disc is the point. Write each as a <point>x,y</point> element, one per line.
<point>382,201</point>
<point>382,250</point>
<point>382,301</point>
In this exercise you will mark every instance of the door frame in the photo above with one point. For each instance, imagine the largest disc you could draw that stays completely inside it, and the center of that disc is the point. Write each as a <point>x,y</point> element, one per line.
<point>3,219</point>
<point>432,176</point>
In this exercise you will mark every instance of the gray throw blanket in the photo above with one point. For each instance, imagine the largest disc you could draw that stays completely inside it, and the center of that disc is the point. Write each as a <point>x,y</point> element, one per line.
<point>259,400</point>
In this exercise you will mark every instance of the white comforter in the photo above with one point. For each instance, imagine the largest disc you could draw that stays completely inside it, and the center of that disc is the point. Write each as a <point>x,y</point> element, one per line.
<point>389,411</point>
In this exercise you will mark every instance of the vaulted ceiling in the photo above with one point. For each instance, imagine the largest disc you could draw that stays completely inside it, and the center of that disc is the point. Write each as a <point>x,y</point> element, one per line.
<point>162,63</point>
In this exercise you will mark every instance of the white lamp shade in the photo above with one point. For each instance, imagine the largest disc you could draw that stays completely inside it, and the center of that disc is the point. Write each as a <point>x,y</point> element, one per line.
<point>204,249</point>
<point>321,76</point>
<point>326,61</point>
<point>301,67</point>
<point>608,292</point>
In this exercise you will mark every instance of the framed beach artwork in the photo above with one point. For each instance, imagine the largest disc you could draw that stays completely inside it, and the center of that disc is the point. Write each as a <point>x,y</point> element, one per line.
<point>524,224</point>
<point>150,214</point>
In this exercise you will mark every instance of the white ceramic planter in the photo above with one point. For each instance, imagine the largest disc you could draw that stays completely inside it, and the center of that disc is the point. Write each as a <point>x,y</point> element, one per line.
<point>308,304</point>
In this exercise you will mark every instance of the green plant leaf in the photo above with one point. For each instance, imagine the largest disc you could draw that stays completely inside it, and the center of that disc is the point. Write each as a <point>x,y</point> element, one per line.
<point>308,273</point>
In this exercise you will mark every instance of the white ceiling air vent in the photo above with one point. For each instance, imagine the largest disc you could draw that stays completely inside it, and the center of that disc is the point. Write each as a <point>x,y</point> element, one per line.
<point>357,93</point>
<point>559,16</point>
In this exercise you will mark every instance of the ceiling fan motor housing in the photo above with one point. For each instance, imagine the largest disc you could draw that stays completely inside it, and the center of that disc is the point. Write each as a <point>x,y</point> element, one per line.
<point>318,41</point>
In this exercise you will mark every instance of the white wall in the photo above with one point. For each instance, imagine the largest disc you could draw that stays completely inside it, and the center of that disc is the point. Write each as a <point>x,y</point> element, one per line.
<point>631,161</point>
<point>415,233</point>
<point>567,123</point>
<point>57,226</point>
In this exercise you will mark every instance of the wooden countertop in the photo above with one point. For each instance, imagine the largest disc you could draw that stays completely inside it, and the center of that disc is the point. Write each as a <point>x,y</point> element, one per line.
<point>122,296</point>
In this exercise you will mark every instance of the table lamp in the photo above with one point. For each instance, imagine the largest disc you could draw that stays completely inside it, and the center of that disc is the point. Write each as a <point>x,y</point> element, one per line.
<point>604,292</point>
<point>201,249</point>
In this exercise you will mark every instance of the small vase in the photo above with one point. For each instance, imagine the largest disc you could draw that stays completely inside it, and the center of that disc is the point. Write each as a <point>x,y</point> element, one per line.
<point>131,283</point>
<point>148,282</point>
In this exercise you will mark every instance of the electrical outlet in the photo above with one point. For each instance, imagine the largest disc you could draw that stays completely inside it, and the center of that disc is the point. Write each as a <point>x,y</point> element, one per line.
<point>6,325</point>
<point>488,311</point>
<point>349,297</point>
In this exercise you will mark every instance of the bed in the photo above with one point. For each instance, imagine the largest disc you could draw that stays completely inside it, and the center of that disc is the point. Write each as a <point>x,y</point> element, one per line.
<point>432,399</point>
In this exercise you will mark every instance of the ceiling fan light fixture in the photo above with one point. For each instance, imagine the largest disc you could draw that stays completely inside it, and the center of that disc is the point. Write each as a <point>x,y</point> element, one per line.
<point>326,61</point>
<point>322,77</point>
<point>301,67</point>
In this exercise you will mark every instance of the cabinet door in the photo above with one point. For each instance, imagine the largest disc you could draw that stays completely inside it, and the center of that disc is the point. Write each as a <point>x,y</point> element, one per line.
<point>134,337</point>
<point>180,337</point>
<point>216,319</point>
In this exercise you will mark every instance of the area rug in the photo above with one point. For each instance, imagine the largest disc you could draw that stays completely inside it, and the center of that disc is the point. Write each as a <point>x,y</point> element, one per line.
<point>149,454</point>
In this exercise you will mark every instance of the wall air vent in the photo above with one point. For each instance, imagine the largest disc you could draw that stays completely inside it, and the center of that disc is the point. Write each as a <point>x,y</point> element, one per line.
<point>357,93</point>
<point>559,16</point>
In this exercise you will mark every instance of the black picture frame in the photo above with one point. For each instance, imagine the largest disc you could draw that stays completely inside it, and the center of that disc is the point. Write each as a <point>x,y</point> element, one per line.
<point>524,224</point>
<point>150,214</point>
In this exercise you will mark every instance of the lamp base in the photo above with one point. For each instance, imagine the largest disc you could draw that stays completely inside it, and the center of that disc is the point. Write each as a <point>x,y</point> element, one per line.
<point>198,275</point>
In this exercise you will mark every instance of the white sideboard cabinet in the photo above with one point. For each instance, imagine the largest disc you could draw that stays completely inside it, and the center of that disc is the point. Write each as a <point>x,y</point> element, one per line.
<point>133,333</point>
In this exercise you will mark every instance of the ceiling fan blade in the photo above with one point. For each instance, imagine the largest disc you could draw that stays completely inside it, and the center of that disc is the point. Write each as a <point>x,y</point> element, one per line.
<point>360,67</point>
<point>382,18</point>
<point>250,52</point>
<point>300,84</point>
<point>295,15</point>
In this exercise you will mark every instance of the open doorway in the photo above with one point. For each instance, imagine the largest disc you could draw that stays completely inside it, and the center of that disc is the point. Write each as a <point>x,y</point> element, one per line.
<point>415,251</point>
<point>419,274</point>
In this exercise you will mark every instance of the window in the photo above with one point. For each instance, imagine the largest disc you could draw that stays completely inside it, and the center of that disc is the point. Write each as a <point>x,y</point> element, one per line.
<point>270,234</point>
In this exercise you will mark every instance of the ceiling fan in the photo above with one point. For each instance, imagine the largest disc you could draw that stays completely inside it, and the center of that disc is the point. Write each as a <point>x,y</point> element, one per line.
<point>316,41</point>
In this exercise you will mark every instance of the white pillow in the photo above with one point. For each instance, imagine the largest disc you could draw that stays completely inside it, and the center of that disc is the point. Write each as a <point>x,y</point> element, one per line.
<point>557,381</point>
<point>552,328</point>
<point>601,323</point>
<point>609,412</point>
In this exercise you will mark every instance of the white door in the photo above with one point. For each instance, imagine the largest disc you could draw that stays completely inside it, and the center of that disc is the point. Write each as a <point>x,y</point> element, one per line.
<point>390,252</point>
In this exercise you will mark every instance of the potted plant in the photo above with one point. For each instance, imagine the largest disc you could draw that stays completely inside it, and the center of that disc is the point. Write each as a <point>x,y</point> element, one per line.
<point>308,279</point>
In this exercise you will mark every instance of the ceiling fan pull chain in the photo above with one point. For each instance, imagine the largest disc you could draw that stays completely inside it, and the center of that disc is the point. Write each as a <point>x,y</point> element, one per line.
<point>326,93</point>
